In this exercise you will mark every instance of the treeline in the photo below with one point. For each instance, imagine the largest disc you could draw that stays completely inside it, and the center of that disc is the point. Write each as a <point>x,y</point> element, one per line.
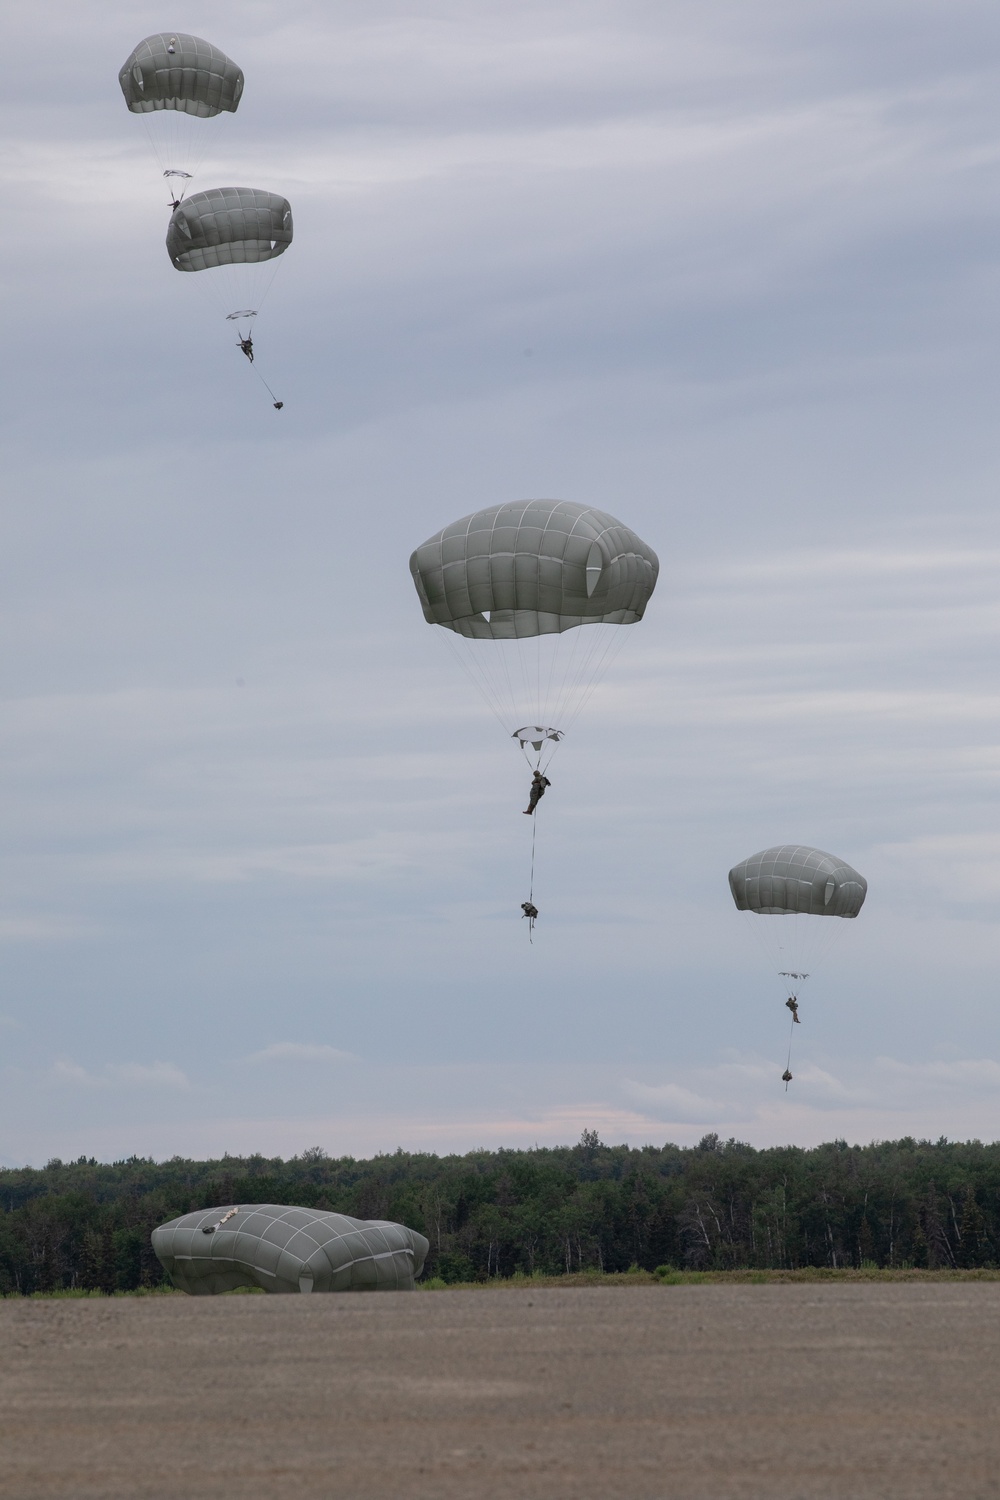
<point>716,1206</point>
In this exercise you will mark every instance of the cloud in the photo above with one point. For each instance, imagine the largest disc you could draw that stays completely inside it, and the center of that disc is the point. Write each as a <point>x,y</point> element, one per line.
<point>37,928</point>
<point>64,1070</point>
<point>456,1109</point>
<point>871,1098</point>
<point>672,1102</point>
<point>311,1052</point>
<point>955,869</point>
<point>157,1075</point>
<point>978,1074</point>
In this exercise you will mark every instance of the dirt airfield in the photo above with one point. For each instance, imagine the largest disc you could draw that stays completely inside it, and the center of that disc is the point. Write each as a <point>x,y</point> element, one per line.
<point>616,1393</point>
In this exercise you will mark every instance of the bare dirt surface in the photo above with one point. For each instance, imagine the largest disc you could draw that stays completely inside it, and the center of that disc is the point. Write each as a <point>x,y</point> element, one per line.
<point>632,1393</point>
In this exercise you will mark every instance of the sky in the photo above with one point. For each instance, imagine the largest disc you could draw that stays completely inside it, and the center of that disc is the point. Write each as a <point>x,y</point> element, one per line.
<point>729,272</point>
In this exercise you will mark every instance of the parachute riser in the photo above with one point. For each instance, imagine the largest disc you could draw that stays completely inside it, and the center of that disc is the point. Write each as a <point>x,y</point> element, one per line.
<point>538,744</point>
<point>538,760</point>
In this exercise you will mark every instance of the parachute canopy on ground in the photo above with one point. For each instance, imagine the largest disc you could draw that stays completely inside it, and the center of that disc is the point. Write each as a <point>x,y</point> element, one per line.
<point>796,879</point>
<point>533,567</point>
<point>228,226</point>
<point>283,1249</point>
<point>173,70</point>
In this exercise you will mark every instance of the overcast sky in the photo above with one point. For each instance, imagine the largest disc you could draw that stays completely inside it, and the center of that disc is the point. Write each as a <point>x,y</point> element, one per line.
<point>727,270</point>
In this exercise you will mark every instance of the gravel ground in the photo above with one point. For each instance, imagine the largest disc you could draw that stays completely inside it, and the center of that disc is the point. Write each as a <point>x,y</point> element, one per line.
<point>615,1393</point>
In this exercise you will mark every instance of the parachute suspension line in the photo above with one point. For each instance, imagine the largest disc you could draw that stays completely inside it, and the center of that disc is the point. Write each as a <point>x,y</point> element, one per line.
<point>516,682</point>
<point>587,640</point>
<point>180,142</point>
<point>519,686</point>
<point>487,689</point>
<point>594,648</point>
<point>547,696</point>
<point>521,660</point>
<point>503,657</point>
<point>557,692</point>
<point>244,283</point>
<point>489,669</point>
<point>772,951</point>
<point>803,940</point>
<point>165,144</point>
<point>535,758</point>
<point>240,287</point>
<point>524,655</point>
<point>608,655</point>
<point>536,672</point>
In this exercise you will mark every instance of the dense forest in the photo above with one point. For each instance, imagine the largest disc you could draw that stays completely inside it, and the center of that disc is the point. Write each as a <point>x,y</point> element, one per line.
<point>717,1205</point>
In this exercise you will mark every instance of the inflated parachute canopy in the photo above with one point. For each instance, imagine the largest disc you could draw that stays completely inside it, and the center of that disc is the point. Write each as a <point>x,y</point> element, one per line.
<point>228,226</point>
<point>284,1249</point>
<point>533,567</point>
<point>794,878</point>
<point>175,71</point>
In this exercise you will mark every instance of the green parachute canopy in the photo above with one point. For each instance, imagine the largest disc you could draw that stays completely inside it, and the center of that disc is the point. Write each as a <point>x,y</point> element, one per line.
<point>287,1249</point>
<point>228,226</point>
<point>794,878</point>
<point>534,567</point>
<point>173,70</point>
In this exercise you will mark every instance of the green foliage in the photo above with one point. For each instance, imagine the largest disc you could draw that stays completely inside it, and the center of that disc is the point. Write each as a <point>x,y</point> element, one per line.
<point>580,1211</point>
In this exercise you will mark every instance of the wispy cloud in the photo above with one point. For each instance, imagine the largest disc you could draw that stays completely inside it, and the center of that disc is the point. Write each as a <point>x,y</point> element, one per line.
<point>882,1098</point>
<point>37,928</point>
<point>978,1074</point>
<point>157,1075</point>
<point>308,1052</point>
<point>672,1102</point>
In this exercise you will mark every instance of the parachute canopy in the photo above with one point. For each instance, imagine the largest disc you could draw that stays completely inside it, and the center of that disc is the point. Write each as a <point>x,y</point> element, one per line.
<point>793,878</point>
<point>228,226</point>
<point>533,567</point>
<point>283,1249</point>
<point>172,70</point>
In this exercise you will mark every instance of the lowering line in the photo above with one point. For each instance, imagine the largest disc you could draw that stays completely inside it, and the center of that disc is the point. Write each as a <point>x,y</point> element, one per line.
<point>787,1074</point>
<point>793,1005</point>
<point>528,908</point>
<point>531,879</point>
<point>274,400</point>
<point>246,345</point>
